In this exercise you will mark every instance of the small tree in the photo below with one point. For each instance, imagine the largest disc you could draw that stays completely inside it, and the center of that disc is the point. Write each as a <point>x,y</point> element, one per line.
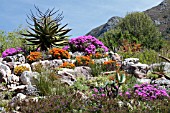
<point>47,32</point>
<point>140,25</point>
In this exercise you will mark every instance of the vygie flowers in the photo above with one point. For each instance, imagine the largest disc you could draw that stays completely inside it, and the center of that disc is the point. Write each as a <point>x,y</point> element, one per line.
<point>87,44</point>
<point>11,51</point>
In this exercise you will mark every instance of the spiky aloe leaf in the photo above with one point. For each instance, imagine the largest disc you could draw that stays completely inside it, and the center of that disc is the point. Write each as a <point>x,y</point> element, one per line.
<point>117,76</point>
<point>47,32</point>
<point>122,79</point>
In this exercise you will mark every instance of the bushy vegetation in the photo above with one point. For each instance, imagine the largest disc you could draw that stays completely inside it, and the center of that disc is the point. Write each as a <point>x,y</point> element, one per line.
<point>137,28</point>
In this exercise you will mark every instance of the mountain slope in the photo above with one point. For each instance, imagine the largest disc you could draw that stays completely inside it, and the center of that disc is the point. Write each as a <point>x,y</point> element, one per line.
<point>111,24</point>
<point>159,14</point>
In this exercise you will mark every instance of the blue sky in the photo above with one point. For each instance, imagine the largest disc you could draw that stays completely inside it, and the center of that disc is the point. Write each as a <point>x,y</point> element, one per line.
<point>81,15</point>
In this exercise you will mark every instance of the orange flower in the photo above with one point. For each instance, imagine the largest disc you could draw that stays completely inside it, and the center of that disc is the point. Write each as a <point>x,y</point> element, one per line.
<point>59,53</point>
<point>34,56</point>
<point>67,65</point>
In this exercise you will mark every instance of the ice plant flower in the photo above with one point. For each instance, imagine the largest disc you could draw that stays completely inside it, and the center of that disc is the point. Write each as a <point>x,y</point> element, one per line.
<point>87,44</point>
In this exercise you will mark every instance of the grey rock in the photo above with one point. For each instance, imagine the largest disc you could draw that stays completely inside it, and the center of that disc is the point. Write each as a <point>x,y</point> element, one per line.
<point>9,59</point>
<point>67,78</point>
<point>5,68</point>
<point>56,62</point>
<point>28,77</point>
<point>83,71</point>
<point>164,65</point>
<point>13,79</point>
<point>19,58</point>
<point>17,88</point>
<point>77,54</point>
<point>114,56</point>
<point>100,61</point>
<point>31,91</point>
<point>3,76</point>
<point>143,80</point>
<point>162,81</point>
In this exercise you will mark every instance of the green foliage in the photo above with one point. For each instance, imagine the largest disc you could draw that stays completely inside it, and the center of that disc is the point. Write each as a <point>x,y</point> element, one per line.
<point>140,25</point>
<point>80,84</point>
<point>47,31</point>
<point>11,40</point>
<point>48,82</point>
<point>146,56</point>
<point>113,38</point>
<point>96,69</point>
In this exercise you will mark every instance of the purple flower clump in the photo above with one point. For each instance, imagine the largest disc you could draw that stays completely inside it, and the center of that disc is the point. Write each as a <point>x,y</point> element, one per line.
<point>149,92</point>
<point>87,44</point>
<point>98,92</point>
<point>11,51</point>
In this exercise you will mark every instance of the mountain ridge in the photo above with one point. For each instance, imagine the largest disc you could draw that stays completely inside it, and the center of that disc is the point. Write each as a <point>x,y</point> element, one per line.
<point>160,15</point>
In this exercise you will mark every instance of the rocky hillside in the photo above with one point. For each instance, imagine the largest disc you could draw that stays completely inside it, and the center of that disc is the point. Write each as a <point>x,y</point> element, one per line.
<point>159,14</point>
<point>111,24</point>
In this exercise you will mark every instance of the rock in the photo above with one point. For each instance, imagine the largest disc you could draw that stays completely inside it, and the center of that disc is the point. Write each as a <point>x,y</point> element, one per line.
<point>3,76</point>
<point>139,70</point>
<point>19,88</point>
<point>67,78</point>
<point>28,77</point>
<point>75,54</point>
<point>31,90</point>
<point>81,95</point>
<point>19,58</point>
<point>143,80</point>
<point>1,59</point>
<point>5,68</point>
<point>68,70</point>
<point>100,61</point>
<point>114,56</point>
<point>162,81</point>
<point>11,65</point>
<point>130,61</point>
<point>13,79</point>
<point>9,59</point>
<point>83,71</point>
<point>18,98</point>
<point>164,65</point>
<point>56,62</point>
<point>43,64</point>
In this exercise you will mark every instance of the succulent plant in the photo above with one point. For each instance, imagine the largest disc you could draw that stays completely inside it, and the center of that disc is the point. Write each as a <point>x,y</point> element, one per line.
<point>112,88</point>
<point>47,32</point>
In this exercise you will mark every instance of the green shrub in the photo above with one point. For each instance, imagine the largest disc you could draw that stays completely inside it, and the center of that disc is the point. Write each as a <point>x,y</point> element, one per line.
<point>140,25</point>
<point>10,40</point>
<point>146,56</point>
<point>48,82</point>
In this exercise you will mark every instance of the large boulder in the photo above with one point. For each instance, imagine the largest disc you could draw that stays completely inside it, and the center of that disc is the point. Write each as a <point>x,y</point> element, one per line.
<point>5,68</point>
<point>165,66</point>
<point>69,75</point>
<point>28,77</point>
<point>83,71</point>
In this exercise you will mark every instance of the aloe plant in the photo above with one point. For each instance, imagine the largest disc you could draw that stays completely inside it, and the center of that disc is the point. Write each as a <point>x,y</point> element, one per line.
<point>112,88</point>
<point>47,32</point>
